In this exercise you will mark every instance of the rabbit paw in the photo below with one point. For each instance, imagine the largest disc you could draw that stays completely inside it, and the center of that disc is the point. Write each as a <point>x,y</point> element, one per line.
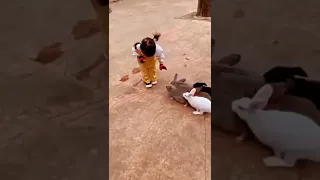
<point>197,112</point>
<point>273,161</point>
<point>186,105</point>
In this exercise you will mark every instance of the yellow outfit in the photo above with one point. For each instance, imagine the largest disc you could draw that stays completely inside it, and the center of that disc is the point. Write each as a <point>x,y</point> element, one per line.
<point>148,69</point>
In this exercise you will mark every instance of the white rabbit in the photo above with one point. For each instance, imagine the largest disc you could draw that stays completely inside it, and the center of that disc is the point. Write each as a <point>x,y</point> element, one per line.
<point>292,136</point>
<point>201,104</point>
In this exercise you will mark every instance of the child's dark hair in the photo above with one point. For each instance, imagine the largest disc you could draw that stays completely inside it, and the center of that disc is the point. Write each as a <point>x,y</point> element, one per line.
<point>148,45</point>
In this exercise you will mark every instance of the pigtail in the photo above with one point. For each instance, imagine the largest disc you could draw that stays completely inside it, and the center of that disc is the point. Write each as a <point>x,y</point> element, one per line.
<point>135,45</point>
<point>156,36</point>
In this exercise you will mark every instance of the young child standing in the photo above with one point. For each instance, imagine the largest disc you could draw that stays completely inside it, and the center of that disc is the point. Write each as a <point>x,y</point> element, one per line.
<point>148,52</point>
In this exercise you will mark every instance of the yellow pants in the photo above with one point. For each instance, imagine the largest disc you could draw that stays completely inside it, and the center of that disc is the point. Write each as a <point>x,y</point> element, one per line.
<point>149,70</point>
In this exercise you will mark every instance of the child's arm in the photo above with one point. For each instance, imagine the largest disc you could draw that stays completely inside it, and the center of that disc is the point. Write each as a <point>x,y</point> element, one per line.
<point>160,56</point>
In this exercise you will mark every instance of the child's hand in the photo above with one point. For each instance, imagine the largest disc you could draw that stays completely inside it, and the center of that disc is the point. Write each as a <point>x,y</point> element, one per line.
<point>162,66</point>
<point>141,59</point>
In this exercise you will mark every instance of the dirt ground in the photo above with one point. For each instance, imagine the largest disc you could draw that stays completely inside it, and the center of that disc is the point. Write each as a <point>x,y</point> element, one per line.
<point>151,136</point>
<point>51,125</point>
<point>265,33</point>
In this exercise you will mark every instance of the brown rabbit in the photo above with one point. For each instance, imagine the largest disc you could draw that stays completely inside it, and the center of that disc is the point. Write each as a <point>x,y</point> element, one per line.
<point>177,88</point>
<point>181,83</point>
<point>176,94</point>
<point>202,94</point>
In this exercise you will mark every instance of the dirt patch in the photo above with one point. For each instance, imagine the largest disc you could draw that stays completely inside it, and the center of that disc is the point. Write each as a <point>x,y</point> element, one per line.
<point>49,54</point>
<point>85,29</point>
<point>124,78</point>
<point>136,70</point>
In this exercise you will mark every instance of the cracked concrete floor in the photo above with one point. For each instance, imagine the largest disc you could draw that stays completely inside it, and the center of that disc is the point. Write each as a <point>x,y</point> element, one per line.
<point>152,137</point>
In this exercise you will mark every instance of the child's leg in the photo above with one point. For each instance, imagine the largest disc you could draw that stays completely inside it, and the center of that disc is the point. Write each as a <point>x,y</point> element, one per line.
<point>145,74</point>
<point>153,72</point>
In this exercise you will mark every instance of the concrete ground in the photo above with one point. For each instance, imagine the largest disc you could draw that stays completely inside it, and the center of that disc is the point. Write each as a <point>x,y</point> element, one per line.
<point>151,136</point>
<point>51,125</point>
<point>55,127</point>
<point>265,33</point>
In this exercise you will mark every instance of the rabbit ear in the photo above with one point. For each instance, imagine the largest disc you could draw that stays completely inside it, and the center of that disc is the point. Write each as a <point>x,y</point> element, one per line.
<point>193,91</point>
<point>261,98</point>
<point>174,81</point>
<point>175,77</point>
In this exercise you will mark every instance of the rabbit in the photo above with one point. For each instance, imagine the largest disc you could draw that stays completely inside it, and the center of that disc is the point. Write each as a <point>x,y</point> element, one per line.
<point>304,87</point>
<point>181,83</point>
<point>201,104</point>
<point>290,134</point>
<point>282,73</point>
<point>230,83</point>
<point>283,102</point>
<point>202,87</point>
<point>176,94</point>
<point>202,94</point>
<point>177,88</point>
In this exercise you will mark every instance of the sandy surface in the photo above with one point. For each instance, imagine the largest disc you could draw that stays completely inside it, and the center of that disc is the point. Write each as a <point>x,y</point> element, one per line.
<point>55,127</point>
<point>152,137</point>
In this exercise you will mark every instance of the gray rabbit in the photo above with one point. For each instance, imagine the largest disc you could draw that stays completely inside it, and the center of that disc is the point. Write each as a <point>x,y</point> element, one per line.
<point>177,88</point>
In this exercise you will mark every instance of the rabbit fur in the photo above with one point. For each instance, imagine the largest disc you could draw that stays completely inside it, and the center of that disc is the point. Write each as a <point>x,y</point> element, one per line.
<point>201,104</point>
<point>303,87</point>
<point>177,88</point>
<point>230,83</point>
<point>202,87</point>
<point>283,102</point>
<point>176,94</point>
<point>291,134</point>
<point>282,73</point>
